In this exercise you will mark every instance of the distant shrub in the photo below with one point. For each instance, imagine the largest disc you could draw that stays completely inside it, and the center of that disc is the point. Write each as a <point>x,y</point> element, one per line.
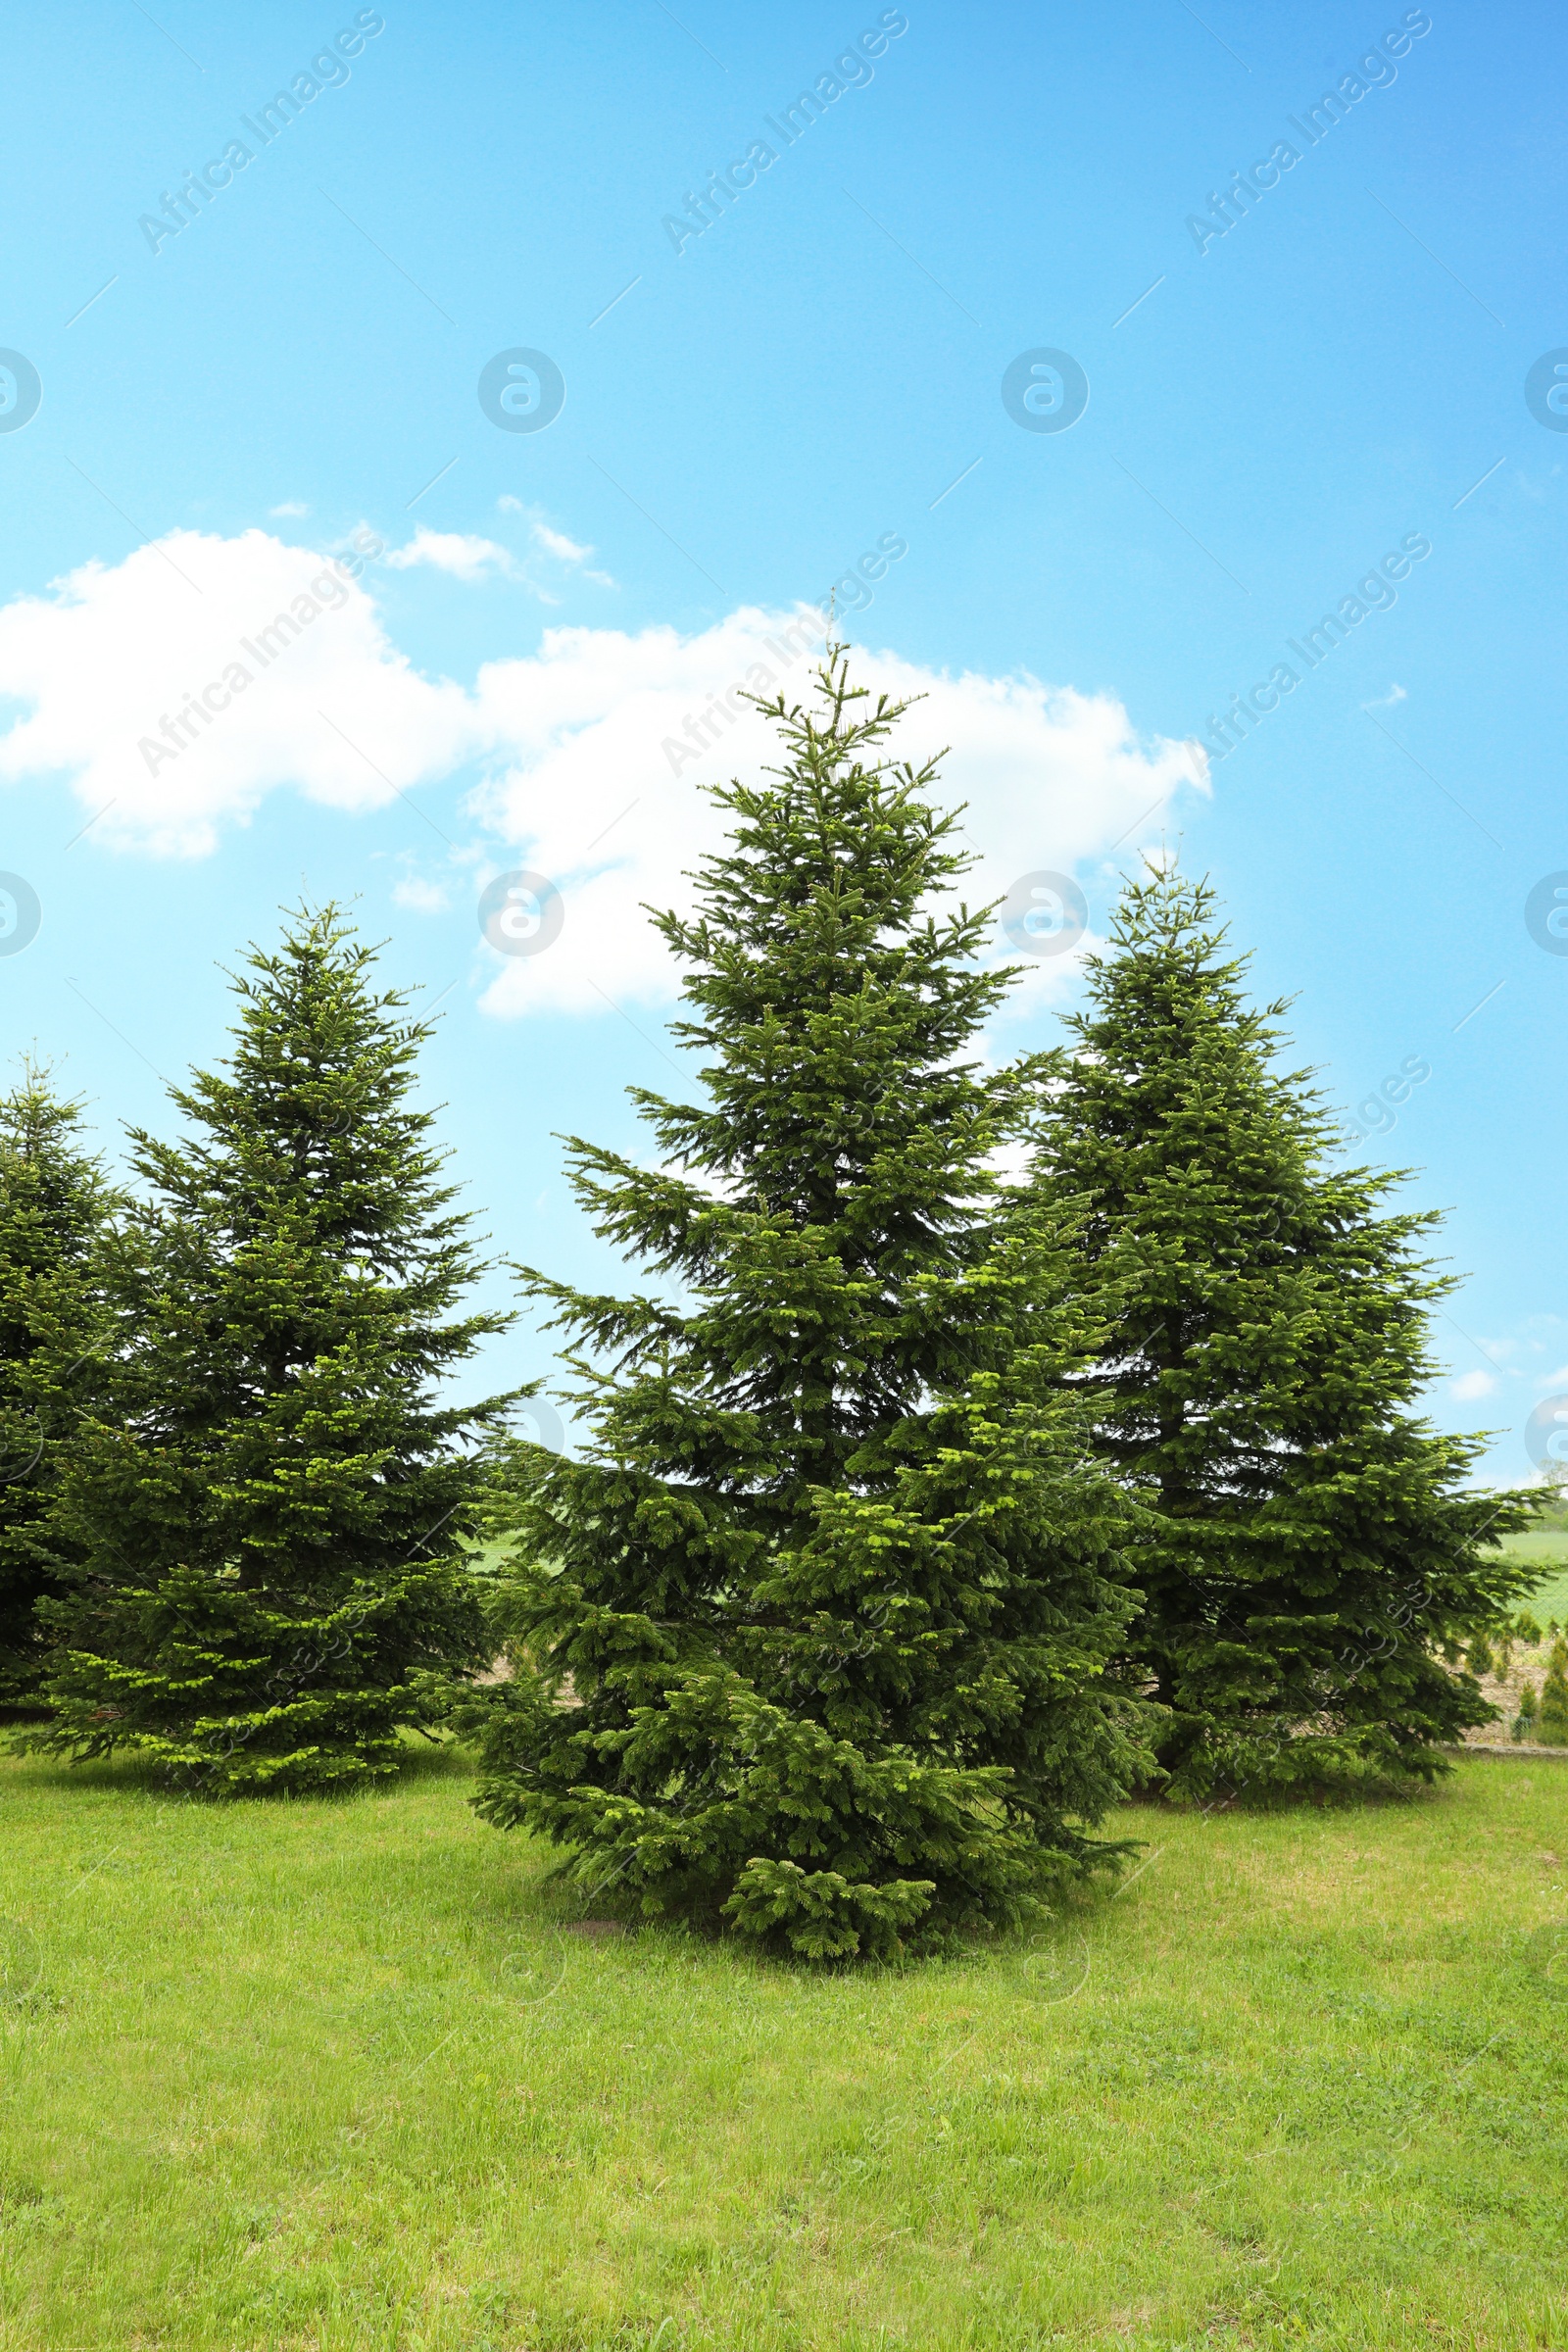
<point>1551,1725</point>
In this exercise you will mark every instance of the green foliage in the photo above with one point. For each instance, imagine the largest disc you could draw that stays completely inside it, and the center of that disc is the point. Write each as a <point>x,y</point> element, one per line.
<point>53,1205</point>
<point>821,1624</point>
<point>1314,1544</point>
<point>1524,1723</point>
<point>260,1493</point>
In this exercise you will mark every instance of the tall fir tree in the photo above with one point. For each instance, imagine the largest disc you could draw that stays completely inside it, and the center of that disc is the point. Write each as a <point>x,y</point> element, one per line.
<point>55,1204</point>
<point>813,1640</point>
<point>1316,1554</point>
<point>265,1493</point>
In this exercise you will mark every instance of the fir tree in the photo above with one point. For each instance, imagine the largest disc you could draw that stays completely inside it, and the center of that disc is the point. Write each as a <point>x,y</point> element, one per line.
<point>820,1623</point>
<point>265,1493</point>
<point>1314,1546</point>
<point>1551,1718</point>
<point>54,1205</point>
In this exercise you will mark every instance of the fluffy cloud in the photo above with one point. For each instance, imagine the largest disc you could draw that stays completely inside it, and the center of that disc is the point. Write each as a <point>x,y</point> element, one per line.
<point>1470,1385</point>
<point>177,688</point>
<point>591,752</point>
<point>460,553</point>
<point>602,794</point>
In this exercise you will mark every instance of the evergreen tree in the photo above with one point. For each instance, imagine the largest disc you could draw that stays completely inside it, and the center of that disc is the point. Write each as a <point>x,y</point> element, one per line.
<point>1551,1719</point>
<point>263,1491</point>
<point>1314,1546</point>
<point>54,1205</point>
<point>821,1624</point>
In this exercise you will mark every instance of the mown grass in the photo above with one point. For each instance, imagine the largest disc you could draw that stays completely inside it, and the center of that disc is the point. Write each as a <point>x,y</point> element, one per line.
<point>1549,1548</point>
<point>324,2075</point>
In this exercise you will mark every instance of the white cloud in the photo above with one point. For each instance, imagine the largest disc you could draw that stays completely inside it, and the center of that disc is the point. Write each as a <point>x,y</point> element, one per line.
<point>290,507</point>
<point>302,687</point>
<point>460,553</point>
<point>555,543</point>
<point>602,720</point>
<point>1386,702</point>
<point>592,750</point>
<point>1474,1383</point>
<point>468,556</point>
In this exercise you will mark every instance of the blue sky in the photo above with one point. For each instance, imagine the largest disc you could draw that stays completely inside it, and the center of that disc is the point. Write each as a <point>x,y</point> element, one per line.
<point>748,413</point>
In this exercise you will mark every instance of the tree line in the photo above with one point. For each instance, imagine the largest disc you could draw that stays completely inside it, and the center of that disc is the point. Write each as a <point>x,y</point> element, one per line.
<point>984,1446</point>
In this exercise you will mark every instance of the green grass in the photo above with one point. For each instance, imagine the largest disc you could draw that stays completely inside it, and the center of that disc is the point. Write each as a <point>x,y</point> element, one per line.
<point>323,2075</point>
<point>1548,1547</point>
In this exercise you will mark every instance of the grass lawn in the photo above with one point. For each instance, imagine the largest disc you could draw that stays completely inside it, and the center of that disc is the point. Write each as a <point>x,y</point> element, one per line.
<point>324,2075</point>
<point>1549,1548</point>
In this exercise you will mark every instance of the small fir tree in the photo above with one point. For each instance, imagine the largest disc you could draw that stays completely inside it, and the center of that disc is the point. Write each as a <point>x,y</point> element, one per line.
<point>1551,1716</point>
<point>1314,1545</point>
<point>265,1497</point>
<point>821,1622</point>
<point>53,1206</point>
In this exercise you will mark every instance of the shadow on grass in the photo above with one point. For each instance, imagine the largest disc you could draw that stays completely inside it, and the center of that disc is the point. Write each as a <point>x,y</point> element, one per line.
<point>129,1772</point>
<point>1373,1792</point>
<point>126,1774</point>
